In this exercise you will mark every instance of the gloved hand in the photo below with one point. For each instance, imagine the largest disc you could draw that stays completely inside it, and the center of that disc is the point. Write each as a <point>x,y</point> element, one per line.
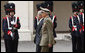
<point>10,33</point>
<point>74,28</point>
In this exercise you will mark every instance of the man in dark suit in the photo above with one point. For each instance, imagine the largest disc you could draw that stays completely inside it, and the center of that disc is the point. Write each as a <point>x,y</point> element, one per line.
<point>38,22</point>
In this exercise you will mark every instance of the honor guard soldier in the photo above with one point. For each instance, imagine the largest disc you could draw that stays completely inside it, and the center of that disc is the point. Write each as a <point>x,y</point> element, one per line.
<point>74,24</point>
<point>38,9</point>
<point>81,16</point>
<point>36,18</point>
<point>10,26</point>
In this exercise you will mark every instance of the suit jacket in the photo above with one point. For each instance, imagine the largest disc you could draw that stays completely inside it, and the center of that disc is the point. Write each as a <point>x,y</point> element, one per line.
<point>47,32</point>
<point>38,34</point>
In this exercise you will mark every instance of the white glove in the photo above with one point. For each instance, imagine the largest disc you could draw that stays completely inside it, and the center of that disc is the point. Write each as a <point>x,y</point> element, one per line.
<point>75,28</point>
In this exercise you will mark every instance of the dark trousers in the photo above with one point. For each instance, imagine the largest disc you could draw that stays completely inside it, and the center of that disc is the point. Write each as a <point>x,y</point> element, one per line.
<point>51,49</point>
<point>38,48</point>
<point>11,45</point>
<point>76,43</point>
<point>82,38</point>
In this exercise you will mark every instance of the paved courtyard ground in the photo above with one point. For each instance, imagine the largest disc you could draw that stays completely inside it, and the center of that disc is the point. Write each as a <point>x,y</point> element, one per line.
<point>29,46</point>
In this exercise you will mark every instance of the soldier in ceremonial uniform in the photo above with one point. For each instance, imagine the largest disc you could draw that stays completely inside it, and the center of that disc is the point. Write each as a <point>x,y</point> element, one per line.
<point>10,25</point>
<point>81,16</point>
<point>36,17</point>
<point>74,24</point>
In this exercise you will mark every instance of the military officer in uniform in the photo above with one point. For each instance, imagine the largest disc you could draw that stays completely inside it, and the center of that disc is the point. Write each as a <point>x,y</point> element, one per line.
<point>49,5</point>
<point>81,16</point>
<point>53,17</point>
<point>74,24</point>
<point>47,38</point>
<point>10,26</point>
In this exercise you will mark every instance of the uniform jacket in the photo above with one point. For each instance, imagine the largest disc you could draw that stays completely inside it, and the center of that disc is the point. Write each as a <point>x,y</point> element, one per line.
<point>53,21</point>
<point>35,23</point>
<point>53,18</point>
<point>37,38</point>
<point>47,32</point>
<point>7,31</point>
<point>76,22</point>
<point>81,16</point>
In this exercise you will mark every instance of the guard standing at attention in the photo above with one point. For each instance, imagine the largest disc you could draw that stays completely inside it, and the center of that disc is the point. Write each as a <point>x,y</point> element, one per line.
<point>74,24</point>
<point>81,16</point>
<point>10,25</point>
